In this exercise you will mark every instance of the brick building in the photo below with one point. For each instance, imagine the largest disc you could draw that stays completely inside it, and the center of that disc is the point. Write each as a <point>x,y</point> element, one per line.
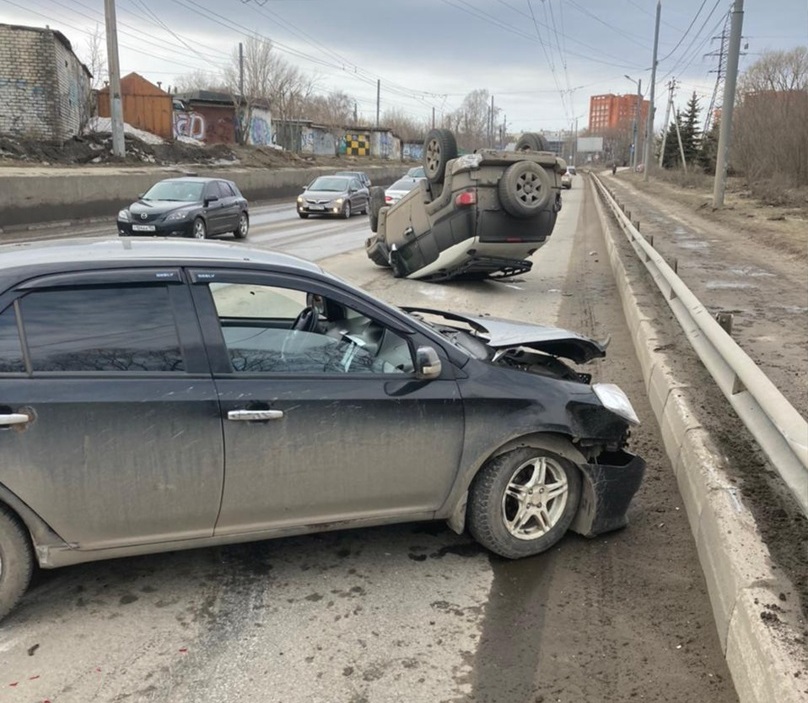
<point>609,112</point>
<point>45,91</point>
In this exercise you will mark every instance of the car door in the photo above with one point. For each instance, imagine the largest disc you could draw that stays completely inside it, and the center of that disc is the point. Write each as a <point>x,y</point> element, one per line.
<point>359,199</point>
<point>230,207</point>
<point>314,432</point>
<point>214,208</point>
<point>122,442</point>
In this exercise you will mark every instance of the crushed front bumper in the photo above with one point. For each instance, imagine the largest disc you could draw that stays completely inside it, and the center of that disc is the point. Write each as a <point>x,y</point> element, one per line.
<point>607,489</point>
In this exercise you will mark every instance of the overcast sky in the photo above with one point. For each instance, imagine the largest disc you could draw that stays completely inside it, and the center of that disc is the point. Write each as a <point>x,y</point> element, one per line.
<point>541,59</point>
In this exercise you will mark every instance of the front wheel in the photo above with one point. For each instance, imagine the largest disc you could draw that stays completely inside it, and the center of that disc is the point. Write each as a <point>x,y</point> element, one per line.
<point>522,502</point>
<point>346,209</point>
<point>243,226</point>
<point>16,561</point>
<point>200,230</point>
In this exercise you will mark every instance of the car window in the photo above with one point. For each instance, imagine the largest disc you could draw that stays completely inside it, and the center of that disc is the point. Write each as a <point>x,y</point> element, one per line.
<point>189,191</point>
<point>225,191</point>
<point>356,184</point>
<point>212,190</point>
<point>273,329</point>
<point>11,360</point>
<point>130,328</point>
<point>337,184</point>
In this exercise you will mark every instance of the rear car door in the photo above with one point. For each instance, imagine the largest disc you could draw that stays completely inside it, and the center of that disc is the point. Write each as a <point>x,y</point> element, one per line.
<point>348,432</point>
<point>230,207</point>
<point>123,443</point>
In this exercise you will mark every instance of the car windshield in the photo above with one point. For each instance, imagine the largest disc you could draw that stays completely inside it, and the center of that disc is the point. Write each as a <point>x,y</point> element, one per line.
<point>416,172</point>
<point>329,183</point>
<point>353,174</point>
<point>404,184</point>
<point>188,191</point>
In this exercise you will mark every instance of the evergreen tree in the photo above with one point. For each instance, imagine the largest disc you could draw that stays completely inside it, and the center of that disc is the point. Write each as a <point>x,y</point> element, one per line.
<point>691,134</point>
<point>671,157</point>
<point>708,153</point>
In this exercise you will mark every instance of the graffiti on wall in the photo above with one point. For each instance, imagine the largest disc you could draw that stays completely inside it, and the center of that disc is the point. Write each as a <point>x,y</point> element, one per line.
<point>23,108</point>
<point>190,125</point>
<point>357,144</point>
<point>260,131</point>
<point>412,150</point>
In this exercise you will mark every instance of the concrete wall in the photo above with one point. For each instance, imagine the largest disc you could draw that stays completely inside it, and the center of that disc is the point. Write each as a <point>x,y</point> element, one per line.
<point>29,196</point>
<point>384,145</point>
<point>44,90</point>
<point>317,141</point>
<point>260,131</point>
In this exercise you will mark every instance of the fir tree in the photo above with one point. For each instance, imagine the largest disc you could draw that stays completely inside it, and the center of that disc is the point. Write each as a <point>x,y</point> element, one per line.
<point>691,134</point>
<point>708,153</point>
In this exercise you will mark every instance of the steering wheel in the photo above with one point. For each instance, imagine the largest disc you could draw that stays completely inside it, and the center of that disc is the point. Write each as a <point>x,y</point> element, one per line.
<point>306,321</point>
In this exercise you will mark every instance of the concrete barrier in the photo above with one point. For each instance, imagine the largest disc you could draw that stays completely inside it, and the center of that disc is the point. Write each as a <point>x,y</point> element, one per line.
<point>31,196</point>
<point>766,656</point>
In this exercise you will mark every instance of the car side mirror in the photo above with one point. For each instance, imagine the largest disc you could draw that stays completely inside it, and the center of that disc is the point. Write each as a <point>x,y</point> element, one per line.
<point>427,364</point>
<point>211,199</point>
<point>140,195</point>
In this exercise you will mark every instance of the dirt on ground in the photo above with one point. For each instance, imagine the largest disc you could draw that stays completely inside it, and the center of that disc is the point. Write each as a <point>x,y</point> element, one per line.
<point>95,148</point>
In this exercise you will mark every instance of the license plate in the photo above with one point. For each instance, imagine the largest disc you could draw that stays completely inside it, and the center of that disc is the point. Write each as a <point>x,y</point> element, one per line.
<point>143,228</point>
<point>316,207</point>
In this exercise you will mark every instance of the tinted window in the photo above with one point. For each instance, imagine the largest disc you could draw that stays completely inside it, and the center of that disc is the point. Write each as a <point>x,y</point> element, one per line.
<point>10,347</point>
<point>188,191</point>
<point>225,191</point>
<point>269,329</point>
<point>101,329</point>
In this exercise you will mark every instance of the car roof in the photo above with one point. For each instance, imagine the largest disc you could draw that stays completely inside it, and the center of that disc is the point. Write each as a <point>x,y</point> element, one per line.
<point>192,179</point>
<point>70,254</point>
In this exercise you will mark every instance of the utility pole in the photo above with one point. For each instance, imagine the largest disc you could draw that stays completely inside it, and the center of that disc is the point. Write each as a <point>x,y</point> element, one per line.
<point>115,101</point>
<point>575,144</point>
<point>241,69</point>
<point>378,98</point>
<point>491,123</point>
<point>725,133</point>
<point>681,146</point>
<point>671,87</point>
<point>649,129</point>
<point>637,120</point>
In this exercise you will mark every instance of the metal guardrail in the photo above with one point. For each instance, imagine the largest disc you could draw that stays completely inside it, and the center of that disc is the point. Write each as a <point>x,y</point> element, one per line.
<point>779,429</point>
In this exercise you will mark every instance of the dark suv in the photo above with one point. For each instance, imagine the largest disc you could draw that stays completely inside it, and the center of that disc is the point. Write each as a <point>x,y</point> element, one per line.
<point>160,394</point>
<point>478,215</point>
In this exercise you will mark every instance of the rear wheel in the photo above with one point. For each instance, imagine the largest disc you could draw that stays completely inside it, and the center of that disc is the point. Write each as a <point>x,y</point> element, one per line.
<point>16,561</point>
<point>440,148</point>
<point>522,502</point>
<point>376,204</point>
<point>524,189</point>
<point>531,141</point>
<point>243,226</point>
<point>200,230</point>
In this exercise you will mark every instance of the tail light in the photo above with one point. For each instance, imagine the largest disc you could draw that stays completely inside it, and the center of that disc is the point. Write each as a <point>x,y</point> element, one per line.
<point>467,197</point>
<point>388,198</point>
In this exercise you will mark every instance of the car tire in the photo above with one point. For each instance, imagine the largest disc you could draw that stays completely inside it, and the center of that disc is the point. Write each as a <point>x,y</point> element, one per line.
<point>243,226</point>
<point>200,229</point>
<point>507,485</point>
<point>16,560</point>
<point>524,189</point>
<point>440,148</point>
<point>303,215</point>
<point>531,141</point>
<point>346,210</point>
<point>377,251</point>
<point>376,204</point>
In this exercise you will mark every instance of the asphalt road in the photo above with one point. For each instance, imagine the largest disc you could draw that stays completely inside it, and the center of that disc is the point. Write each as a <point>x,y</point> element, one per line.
<point>406,613</point>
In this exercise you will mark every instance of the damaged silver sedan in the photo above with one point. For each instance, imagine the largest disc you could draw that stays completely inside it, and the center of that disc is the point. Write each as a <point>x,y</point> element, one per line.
<point>162,395</point>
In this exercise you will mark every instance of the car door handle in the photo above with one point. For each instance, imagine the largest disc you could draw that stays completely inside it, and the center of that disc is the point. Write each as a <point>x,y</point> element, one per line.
<point>14,419</point>
<point>252,415</point>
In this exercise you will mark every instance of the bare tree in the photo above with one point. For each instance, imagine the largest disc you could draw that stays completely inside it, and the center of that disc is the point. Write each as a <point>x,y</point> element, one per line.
<point>472,119</point>
<point>334,111</point>
<point>770,132</point>
<point>94,58</point>
<point>405,126</point>
<point>199,80</point>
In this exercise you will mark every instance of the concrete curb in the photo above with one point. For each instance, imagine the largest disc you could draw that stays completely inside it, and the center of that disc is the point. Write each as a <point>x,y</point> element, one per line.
<point>763,652</point>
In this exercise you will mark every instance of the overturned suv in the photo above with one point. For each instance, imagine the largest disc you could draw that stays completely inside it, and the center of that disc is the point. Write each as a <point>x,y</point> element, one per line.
<point>474,216</point>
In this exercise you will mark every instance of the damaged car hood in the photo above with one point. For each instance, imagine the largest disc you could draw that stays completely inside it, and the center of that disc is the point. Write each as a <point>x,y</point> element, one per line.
<point>504,334</point>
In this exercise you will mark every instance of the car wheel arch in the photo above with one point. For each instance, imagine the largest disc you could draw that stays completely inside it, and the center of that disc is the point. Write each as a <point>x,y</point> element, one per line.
<point>40,532</point>
<point>549,441</point>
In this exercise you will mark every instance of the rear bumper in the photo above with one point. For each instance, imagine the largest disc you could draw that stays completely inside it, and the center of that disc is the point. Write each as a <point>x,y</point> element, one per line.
<point>608,488</point>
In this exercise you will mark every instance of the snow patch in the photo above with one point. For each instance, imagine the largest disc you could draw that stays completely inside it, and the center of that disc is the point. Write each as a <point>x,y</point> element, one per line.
<point>104,124</point>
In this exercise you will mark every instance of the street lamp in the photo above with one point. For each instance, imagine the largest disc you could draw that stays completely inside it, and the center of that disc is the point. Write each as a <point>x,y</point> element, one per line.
<point>636,121</point>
